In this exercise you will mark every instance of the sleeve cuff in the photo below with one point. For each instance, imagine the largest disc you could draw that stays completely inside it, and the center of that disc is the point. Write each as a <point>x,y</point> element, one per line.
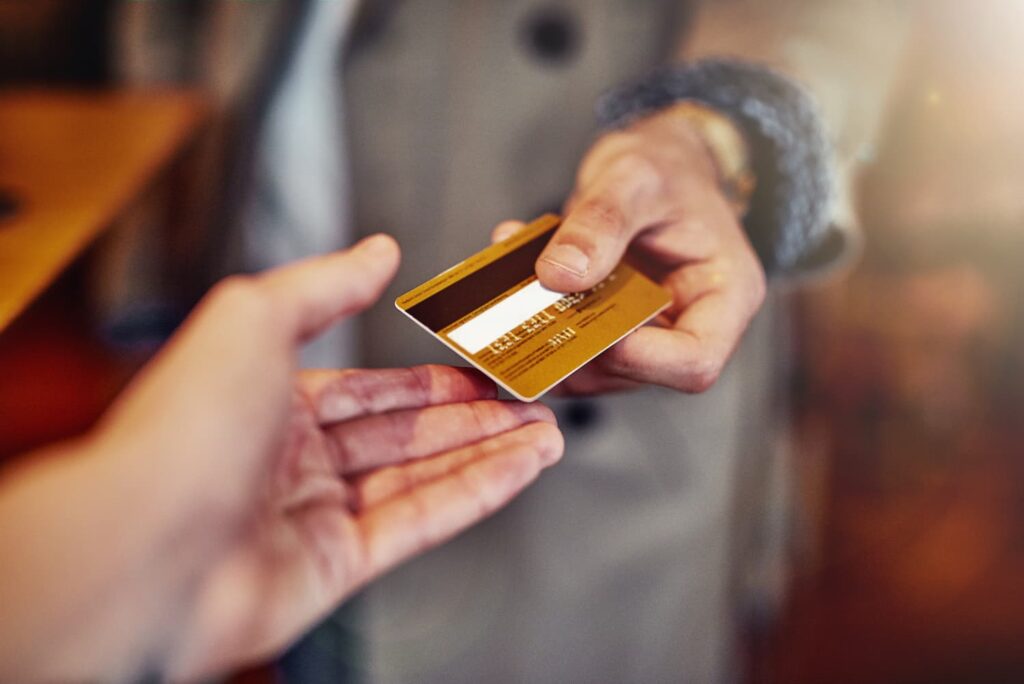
<point>795,213</point>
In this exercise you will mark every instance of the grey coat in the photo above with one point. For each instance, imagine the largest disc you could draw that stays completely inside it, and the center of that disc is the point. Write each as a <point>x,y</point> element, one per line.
<point>632,560</point>
<point>616,566</point>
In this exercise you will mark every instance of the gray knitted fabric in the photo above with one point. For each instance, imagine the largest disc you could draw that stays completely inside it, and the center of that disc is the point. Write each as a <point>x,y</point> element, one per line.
<point>789,221</point>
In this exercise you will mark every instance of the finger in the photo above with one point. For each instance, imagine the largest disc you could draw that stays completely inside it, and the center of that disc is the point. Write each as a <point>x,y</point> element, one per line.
<point>338,395</point>
<point>389,438</point>
<point>506,229</point>
<point>691,354</point>
<point>386,483</point>
<point>604,218</point>
<point>429,514</point>
<point>300,300</point>
<point>594,379</point>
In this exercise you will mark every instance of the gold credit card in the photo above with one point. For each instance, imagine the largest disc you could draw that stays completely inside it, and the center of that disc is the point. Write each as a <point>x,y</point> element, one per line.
<point>492,311</point>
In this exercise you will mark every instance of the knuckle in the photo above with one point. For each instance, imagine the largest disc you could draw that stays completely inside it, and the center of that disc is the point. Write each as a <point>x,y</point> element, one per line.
<point>358,387</point>
<point>422,381</point>
<point>638,168</point>
<point>482,415</point>
<point>602,216</point>
<point>703,376</point>
<point>489,492</point>
<point>244,296</point>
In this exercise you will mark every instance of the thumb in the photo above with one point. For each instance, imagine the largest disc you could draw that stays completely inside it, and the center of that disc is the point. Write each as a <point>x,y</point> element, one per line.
<point>596,232</point>
<point>310,295</point>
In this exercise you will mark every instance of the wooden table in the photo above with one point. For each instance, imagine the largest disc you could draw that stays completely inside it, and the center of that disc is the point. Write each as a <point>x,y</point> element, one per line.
<point>73,162</point>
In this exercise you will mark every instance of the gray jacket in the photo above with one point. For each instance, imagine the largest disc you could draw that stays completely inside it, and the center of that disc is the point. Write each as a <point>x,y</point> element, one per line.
<point>632,560</point>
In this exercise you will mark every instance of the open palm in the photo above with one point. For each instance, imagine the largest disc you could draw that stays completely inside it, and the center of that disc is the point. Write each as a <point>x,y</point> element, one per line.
<point>285,491</point>
<point>378,465</point>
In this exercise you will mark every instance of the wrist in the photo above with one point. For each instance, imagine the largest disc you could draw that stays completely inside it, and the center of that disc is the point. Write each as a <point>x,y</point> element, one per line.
<point>98,614</point>
<point>791,208</point>
<point>170,533</point>
<point>726,148</point>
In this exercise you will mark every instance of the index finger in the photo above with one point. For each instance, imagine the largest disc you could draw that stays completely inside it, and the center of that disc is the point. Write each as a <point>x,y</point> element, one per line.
<point>432,512</point>
<point>690,355</point>
<point>337,395</point>
<point>364,444</point>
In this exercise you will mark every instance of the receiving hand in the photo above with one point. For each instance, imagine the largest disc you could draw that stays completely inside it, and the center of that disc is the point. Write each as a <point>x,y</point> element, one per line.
<point>226,502</point>
<point>652,189</point>
<point>376,466</point>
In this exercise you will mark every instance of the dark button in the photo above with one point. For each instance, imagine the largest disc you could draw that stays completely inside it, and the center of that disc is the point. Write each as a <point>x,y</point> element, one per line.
<point>552,34</point>
<point>581,414</point>
<point>369,25</point>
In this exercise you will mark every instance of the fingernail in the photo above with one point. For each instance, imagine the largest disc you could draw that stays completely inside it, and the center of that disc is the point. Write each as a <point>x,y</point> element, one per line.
<point>568,258</point>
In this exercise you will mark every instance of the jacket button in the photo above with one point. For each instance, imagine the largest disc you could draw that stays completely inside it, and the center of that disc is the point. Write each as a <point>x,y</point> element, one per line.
<point>581,414</point>
<point>552,35</point>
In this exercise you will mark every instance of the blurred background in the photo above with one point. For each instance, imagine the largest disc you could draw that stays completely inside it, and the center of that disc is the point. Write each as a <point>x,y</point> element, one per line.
<point>907,557</point>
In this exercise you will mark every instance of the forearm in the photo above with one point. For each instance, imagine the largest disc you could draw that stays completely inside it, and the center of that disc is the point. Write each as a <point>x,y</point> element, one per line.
<point>93,566</point>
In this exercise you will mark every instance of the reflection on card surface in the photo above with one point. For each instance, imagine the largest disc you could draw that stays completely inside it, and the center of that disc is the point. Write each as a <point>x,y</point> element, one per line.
<point>492,310</point>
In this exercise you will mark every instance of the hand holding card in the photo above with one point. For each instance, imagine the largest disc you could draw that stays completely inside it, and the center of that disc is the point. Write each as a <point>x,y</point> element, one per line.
<point>492,311</point>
